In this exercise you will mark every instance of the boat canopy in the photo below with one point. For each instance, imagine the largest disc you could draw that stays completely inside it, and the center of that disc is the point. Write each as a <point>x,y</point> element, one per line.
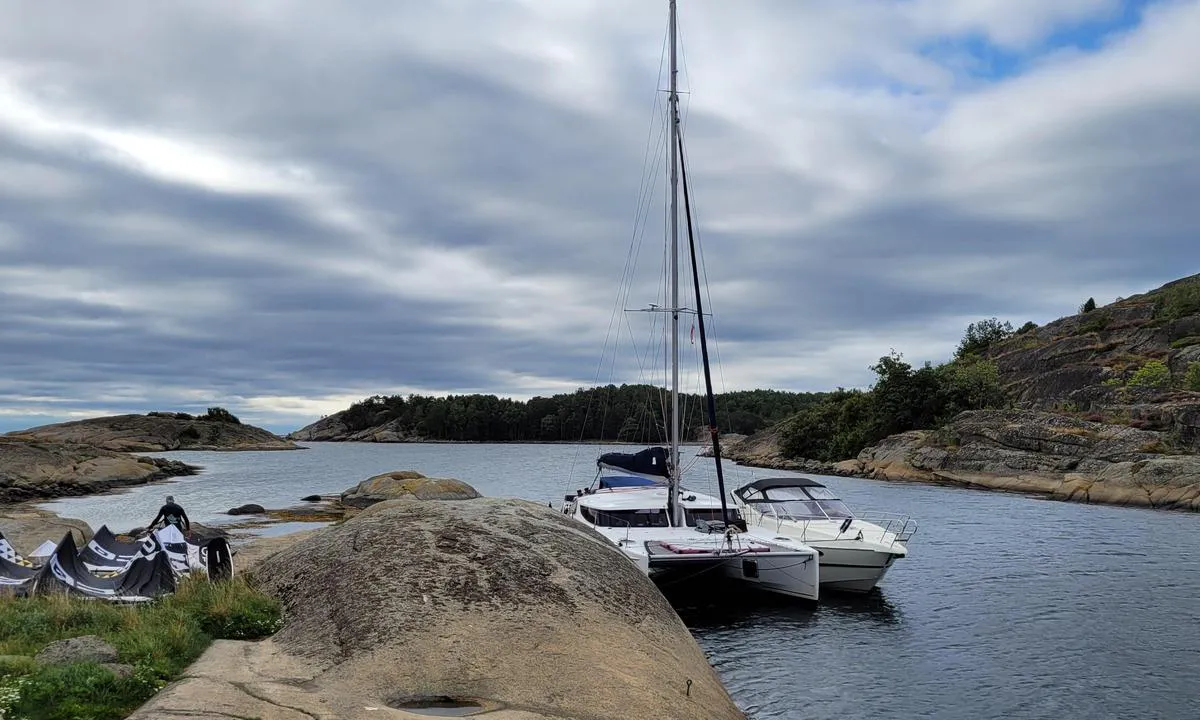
<point>651,462</point>
<point>793,499</point>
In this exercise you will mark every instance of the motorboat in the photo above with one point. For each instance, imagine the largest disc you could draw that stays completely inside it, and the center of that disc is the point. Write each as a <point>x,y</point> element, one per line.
<point>856,550</point>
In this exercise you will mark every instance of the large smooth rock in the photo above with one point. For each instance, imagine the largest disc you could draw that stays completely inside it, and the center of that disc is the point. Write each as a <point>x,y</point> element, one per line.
<point>406,483</point>
<point>505,602</point>
<point>27,528</point>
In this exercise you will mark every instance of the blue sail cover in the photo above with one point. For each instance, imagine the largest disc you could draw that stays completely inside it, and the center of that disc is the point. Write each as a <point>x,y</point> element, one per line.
<point>651,462</point>
<point>616,481</point>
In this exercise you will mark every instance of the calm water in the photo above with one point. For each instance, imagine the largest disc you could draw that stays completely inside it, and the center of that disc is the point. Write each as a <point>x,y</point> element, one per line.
<point>1008,607</point>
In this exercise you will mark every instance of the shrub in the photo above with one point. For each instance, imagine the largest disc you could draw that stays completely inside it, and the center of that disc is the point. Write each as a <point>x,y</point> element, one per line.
<point>1088,306</point>
<point>1191,378</point>
<point>1183,342</point>
<point>1095,322</point>
<point>220,414</point>
<point>1178,301</point>
<point>1027,327</point>
<point>1154,374</point>
<point>982,335</point>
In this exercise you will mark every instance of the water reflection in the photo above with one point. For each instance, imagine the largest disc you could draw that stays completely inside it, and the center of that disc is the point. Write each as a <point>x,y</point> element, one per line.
<point>726,605</point>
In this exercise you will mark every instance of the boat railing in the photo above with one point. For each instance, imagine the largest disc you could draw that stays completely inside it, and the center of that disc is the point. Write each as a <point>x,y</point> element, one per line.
<point>901,527</point>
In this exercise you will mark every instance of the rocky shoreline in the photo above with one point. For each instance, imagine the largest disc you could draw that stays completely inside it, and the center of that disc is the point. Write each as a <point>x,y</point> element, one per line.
<point>1023,451</point>
<point>92,456</point>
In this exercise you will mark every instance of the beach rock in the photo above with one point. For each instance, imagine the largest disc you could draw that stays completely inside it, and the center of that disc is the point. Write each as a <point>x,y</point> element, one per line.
<point>35,469</point>
<point>405,483</point>
<point>27,528</point>
<point>156,432</point>
<point>248,509</point>
<point>312,498</point>
<point>502,602</point>
<point>85,648</point>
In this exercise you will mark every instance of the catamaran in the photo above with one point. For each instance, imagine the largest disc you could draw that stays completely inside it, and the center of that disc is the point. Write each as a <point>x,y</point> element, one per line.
<point>637,500</point>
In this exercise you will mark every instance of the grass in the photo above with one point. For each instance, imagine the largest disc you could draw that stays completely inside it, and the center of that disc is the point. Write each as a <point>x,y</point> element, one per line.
<point>159,640</point>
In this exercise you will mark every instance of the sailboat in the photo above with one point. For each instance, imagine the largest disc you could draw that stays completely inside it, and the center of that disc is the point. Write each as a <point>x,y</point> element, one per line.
<point>637,499</point>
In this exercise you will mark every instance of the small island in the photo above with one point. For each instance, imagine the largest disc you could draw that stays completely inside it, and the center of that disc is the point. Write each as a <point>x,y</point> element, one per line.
<point>96,455</point>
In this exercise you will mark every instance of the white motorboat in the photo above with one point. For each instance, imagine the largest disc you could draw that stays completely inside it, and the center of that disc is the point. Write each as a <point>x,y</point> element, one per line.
<point>856,550</point>
<point>644,510</point>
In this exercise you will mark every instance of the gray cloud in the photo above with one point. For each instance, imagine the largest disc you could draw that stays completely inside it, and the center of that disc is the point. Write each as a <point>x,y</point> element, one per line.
<point>281,208</point>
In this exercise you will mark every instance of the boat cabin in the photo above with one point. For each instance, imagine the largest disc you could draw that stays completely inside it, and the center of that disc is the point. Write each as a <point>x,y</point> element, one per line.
<point>793,499</point>
<point>622,501</point>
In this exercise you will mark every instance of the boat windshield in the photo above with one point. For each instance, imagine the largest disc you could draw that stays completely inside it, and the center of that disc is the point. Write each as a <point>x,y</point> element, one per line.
<point>796,503</point>
<point>709,515</point>
<point>626,518</point>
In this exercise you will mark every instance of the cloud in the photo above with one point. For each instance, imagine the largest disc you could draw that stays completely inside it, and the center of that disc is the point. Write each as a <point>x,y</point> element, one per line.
<point>280,208</point>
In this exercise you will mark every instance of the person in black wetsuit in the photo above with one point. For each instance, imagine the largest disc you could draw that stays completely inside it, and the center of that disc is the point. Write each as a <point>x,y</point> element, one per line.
<point>172,514</point>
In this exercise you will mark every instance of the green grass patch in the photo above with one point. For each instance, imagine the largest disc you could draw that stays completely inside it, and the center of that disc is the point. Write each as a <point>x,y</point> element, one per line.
<point>159,640</point>
<point>1188,341</point>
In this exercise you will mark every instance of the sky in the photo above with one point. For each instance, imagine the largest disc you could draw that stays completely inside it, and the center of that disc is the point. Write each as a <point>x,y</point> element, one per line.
<point>283,207</point>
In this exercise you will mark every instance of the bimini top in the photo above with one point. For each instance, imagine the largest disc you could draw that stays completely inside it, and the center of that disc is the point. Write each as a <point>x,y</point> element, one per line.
<point>777,482</point>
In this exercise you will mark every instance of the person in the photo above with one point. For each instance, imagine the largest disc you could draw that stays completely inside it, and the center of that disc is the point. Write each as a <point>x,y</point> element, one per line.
<point>172,514</point>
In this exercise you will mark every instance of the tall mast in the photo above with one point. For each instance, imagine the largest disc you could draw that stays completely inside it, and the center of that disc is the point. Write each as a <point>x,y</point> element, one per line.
<point>673,485</point>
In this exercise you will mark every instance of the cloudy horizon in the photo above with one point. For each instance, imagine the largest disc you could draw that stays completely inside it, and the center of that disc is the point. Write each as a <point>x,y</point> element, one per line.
<point>281,208</point>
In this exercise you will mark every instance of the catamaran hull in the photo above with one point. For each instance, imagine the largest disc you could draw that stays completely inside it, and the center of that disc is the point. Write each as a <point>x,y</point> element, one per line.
<point>852,570</point>
<point>792,576</point>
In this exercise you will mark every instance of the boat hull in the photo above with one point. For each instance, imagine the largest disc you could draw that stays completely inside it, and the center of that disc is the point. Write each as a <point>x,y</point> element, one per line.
<point>852,570</point>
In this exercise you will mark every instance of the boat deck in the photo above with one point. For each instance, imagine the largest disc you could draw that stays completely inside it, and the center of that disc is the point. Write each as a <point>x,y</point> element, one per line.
<point>683,551</point>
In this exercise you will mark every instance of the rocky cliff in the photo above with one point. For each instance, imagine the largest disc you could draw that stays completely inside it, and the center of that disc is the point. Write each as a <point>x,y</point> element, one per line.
<point>1103,408</point>
<point>157,432</point>
<point>1043,453</point>
<point>34,469</point>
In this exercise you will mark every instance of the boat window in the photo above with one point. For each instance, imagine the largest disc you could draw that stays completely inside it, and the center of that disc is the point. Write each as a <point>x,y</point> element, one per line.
<point>786,493</point>
<point>709,515</point>
<point>835,508</point>
<point>821,493</point>
<point>791,509</point>
<point>753,494</point>
<point>625,518</point>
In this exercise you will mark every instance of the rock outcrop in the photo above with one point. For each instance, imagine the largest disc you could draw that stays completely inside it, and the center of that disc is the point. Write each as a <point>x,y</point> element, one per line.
<point>157,432</point>
<point>37,469</point>
<point>333,428</point>
<point>504,604</point>
<point>405,483</point>
<point>1044,453</point>
<point>28,527</point>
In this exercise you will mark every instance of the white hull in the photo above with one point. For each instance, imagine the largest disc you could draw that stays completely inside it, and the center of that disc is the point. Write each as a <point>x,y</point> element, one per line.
<point>757,559</point>
<point>856,570</point>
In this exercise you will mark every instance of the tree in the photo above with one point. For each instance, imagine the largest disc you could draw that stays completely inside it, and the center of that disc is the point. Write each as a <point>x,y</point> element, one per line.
<point>220,414</point>
<point>982,335</point>
<point>1088,306</point>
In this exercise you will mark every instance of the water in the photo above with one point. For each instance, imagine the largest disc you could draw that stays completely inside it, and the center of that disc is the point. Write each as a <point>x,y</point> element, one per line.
<point>1008,606</point>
